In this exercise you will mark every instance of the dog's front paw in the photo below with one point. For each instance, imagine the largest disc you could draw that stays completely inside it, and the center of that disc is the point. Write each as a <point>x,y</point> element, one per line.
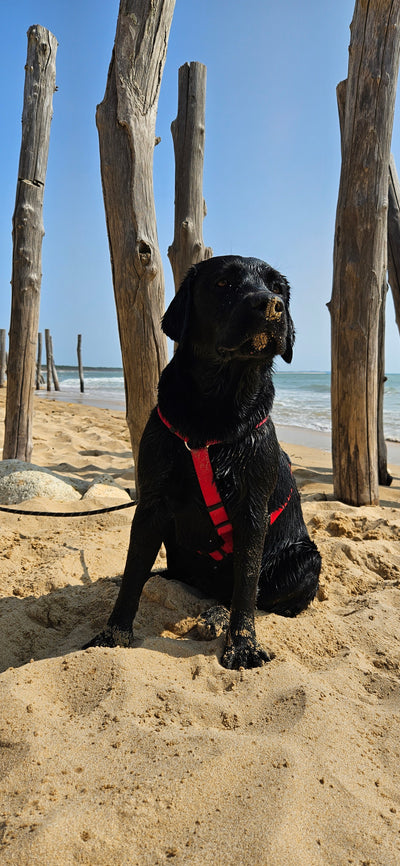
<point>242,649</point>
<point>244,654</point>
<point>213,622</point>
<point>112,636</point>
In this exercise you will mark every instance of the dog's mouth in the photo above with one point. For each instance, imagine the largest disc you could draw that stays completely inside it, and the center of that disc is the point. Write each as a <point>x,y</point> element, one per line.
<point>263,337</point>
<point>258,345</point>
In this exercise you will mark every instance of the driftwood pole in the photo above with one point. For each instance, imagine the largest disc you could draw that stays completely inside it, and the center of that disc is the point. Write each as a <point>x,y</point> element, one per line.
<point>360,248</point>
<point>126,125</point>
<point>48,357</point>
<point>394,237</point>
<point>27,241</point>
<point>39,362</point>
<point>2,357</point>
<point>53,367</point>
<point>384,477</point>
<point>188,134</point>
<point>80,367</point>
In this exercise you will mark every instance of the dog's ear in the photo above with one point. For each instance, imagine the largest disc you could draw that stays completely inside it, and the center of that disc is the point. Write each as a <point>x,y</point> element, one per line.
<point>287,355</point>
<point>284,289</point>
<point>176,316</point>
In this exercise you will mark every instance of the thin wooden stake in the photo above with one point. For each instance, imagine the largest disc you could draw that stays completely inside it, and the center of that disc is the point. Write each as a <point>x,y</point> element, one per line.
<point>48,357</point>
<point>39,377</point>
<point>53,367</point>
<point>80,367</point>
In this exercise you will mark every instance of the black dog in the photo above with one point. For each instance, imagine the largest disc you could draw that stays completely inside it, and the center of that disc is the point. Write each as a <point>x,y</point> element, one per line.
<point>214,484</point>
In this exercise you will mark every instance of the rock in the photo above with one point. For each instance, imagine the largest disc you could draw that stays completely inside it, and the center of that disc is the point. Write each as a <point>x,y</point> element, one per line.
<point>104,487</point>
<point>27,483</point>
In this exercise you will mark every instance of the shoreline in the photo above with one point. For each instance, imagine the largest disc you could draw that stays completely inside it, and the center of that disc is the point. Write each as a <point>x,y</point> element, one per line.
<point>293,435</point>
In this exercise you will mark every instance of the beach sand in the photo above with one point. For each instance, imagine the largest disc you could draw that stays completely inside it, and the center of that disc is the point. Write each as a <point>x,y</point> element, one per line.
<point>157,754</point>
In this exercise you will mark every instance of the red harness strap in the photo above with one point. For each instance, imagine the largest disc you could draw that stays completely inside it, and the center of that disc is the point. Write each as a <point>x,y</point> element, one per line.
<point>212,499</point>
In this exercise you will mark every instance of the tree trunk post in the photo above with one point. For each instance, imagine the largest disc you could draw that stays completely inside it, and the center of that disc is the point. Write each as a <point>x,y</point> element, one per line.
<point>126,125</point>
<point>2,357</point>
<point>384,477</point>
<point>394,237</point>
<point>48,358</point>
<point>39,362</point>
<point>360,248</point>
<point>27,241</point>
<point>188,134</point>
<point>53,367</point>
<point>80,367</point>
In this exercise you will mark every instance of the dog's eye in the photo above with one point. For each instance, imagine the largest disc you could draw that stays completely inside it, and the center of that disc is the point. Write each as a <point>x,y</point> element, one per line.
<point>276,288</point>
<point>222,283</point>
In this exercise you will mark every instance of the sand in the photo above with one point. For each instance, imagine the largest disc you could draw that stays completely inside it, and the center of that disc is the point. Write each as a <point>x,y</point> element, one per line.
<point>158,755</point>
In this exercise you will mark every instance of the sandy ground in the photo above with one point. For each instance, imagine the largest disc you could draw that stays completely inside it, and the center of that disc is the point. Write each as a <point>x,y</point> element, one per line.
<point>158,755</point>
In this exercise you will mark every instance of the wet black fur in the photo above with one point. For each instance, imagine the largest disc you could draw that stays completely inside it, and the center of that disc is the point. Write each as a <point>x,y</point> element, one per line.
<point>218,386</point>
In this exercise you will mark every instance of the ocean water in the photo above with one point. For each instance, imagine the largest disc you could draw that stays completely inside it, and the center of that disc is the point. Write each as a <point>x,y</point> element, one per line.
<point>301,399</point>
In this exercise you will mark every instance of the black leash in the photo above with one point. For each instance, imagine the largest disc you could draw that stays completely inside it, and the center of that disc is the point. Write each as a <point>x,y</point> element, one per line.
<point>69,513</point>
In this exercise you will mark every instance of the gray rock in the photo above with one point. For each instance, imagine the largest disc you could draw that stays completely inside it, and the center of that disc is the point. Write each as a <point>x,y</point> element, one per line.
<point>20,481</point>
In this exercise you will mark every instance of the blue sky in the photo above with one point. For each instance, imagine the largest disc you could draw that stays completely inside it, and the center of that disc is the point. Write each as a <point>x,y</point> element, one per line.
<point>271,169</point>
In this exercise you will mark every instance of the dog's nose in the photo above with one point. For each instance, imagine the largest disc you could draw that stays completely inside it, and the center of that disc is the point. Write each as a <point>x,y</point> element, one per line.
<point>262,301</point>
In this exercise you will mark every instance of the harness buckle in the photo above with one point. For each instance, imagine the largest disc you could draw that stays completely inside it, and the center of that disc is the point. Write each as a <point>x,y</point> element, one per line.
<point>205,447</point>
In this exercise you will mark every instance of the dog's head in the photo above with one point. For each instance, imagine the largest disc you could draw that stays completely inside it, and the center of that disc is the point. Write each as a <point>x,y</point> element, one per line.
<point>232,307</point>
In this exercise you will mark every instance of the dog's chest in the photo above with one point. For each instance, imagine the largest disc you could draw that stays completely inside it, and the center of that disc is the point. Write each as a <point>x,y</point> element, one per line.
<point>193,501</point>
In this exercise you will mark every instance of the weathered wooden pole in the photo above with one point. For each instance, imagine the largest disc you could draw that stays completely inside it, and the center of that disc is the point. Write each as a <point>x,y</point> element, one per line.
<point>126,125</point>
<point>188,134</point>
<point>360,248</point>
<point>3,356</point>
<point>80,367</point>
<point>48,357</point>
<point>394,237</point>
<point>53,367</point>
<point>40,72</point>
<point>39,362</point>
<point>384,477</point>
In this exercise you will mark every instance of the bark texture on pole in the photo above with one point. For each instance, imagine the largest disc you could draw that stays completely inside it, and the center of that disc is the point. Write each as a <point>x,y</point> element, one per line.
<point>53,367</point>
<point>384,477</point>
<point>40,75</point>
<point>48,358</point>
<point>39,363</point>
<point>360,248</point>
<point>126,125</point>
<point>188,134</point>
<point>2,357</point>
<point>394,237</point>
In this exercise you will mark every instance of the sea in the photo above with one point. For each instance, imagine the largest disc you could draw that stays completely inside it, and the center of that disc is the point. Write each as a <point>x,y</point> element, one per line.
<point>301,399</point>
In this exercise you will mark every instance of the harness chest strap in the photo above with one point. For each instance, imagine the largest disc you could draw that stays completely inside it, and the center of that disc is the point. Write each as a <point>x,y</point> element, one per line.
<point>205,476</point>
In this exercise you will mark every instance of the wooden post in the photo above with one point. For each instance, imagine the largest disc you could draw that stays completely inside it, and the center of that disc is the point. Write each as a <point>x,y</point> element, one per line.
<point>394,237</point>
<point>2,357</point>
<point>384,477</point>
<point>80,368</point>
<point>360,248</point>
<point>48,357</point>
<point>53,367</point>
<point>188,134</point>
<point>27,241</point>
<point>39,362</point>
<point>126,125</point>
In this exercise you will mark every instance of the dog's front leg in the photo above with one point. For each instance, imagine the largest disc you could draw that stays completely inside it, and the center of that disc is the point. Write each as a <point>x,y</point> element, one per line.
<point>242,649</point>
<point>145,542</point>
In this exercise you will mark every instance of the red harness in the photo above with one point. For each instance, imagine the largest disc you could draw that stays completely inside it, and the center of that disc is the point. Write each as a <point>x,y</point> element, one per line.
<point>212,499</point>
